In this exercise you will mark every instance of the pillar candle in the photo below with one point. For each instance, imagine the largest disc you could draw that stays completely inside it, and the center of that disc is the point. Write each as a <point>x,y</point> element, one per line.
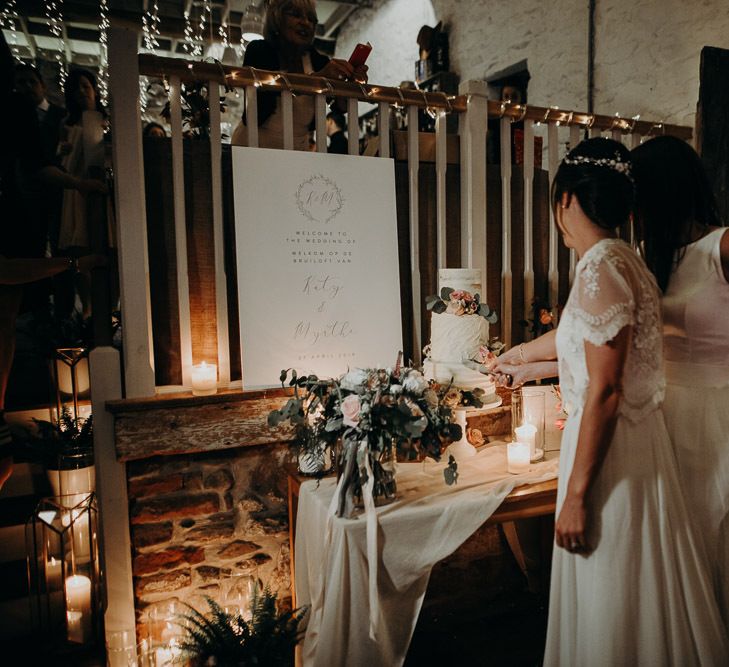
<point>517,456</point>
<point>78,605</point>
<point>204,379</point>
<point>527,433</point>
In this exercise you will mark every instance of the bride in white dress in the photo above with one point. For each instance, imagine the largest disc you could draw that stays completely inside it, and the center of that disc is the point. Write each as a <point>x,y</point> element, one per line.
<point>688,252</point>
<point>630,584</point>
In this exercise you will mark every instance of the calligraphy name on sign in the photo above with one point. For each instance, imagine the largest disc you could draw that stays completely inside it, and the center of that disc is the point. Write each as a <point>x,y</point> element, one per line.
<point>319,199</point>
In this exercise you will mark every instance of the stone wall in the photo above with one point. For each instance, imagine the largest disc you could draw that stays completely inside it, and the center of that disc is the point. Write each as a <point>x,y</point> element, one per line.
<point>647,53</point>
<point>198,517</point>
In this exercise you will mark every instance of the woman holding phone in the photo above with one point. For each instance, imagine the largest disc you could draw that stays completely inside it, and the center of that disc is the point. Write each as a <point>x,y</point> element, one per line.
<point>288,35</point>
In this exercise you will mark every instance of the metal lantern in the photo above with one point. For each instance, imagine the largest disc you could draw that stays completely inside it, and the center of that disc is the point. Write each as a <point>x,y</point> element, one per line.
<point>70,373</point>
<point>63,572</point>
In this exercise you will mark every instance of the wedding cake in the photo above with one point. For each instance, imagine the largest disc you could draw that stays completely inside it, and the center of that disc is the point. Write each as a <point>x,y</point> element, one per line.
<point>458,332</point>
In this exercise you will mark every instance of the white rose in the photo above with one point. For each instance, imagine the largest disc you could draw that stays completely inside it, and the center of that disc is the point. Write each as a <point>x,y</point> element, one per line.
<point>395,389</point>
<point>415,383</point>
<point>353,380</point>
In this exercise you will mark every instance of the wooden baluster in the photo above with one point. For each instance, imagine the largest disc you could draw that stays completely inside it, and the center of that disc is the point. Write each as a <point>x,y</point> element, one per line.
<point>441,166</point>
<point>252,115</point>
<point>413,167</point>
<point>383,127</point>
<point>320,116</point>
<point>528,217</point>
<point>505,315</point>
<point>221,287</point>
<point>473,128</point>
<point>287,108</point>
<point>178,199</point>
<point>553,270</point>
<point>353,126</point>
<point>575,138</point>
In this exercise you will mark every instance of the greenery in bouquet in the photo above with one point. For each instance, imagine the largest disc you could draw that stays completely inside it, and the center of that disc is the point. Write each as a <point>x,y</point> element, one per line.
<point>228,640</point>
<point>370,416</point>
<point>460,302</point>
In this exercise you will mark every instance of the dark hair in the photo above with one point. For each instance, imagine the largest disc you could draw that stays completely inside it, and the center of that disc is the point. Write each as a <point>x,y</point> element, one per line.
<point>71,88</point>
<point>338,118</point>
<point>605,194</point>
<point>673,198</point>
<point>27,67</point>
<point>147,130</point>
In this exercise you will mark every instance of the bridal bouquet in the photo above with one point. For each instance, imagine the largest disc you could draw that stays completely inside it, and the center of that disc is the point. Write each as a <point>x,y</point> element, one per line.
<point>369,417</point>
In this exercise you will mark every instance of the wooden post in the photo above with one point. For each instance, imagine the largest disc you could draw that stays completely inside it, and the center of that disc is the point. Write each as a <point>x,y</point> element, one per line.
<point>130,212</point>
<point>111,483</point>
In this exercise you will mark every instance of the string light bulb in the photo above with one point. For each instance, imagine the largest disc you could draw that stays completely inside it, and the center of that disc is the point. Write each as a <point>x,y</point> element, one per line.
<point>54,15</point>
<point>9,19</point>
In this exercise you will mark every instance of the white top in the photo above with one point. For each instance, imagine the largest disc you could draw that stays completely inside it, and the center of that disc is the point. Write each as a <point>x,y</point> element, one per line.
<point>613,289</point>
<point>696,316</point>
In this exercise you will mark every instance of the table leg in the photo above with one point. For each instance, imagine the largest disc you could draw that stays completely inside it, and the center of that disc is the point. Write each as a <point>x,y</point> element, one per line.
<point>293,503</point>
<point>526,541</point>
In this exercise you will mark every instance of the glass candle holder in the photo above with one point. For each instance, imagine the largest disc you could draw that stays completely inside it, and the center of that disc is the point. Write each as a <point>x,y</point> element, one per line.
<point>63,572</point>
<point>527,419</point>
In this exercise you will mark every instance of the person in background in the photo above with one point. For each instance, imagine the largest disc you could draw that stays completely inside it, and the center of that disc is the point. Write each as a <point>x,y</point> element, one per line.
<point>630,583</point>
<point>22,157</point>
<point>288,36</point>
<point>687,250</point>
<point>335,132</point>
<point>154,131</point>
<point>30,85</point>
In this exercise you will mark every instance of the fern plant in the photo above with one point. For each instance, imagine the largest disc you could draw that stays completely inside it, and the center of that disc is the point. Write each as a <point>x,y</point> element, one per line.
<point>228,640</point>
<point>70,434</point>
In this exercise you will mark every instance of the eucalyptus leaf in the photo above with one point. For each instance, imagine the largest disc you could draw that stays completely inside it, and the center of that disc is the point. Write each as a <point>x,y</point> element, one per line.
<point>334,424</point>
<point>431,301</point>
<point>493,318</point>
<point>274,418</point>
<point>439,307</point>
<point>283,376</point>
<point>445,293</point>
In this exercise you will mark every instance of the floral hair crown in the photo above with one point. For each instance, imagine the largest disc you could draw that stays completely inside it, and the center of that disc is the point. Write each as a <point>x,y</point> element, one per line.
<point>616,163</point>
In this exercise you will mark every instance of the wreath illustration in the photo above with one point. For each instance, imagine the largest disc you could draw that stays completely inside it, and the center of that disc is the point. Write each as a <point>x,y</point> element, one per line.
<point>325,212</point>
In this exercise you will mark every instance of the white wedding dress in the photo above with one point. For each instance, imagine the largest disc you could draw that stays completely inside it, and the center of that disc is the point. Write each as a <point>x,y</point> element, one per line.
<point>643,596</point>
<point>696,340</point>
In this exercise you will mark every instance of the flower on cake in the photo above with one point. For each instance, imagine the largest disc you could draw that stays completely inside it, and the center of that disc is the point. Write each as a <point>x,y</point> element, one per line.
<point>459,303</point>
<point>367,416</point>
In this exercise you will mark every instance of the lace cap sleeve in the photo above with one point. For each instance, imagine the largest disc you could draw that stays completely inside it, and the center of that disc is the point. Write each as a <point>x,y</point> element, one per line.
<point>604,302</point>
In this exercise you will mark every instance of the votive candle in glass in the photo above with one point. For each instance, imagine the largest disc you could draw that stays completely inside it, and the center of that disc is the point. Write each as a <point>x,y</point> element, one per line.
<point>204,379</point>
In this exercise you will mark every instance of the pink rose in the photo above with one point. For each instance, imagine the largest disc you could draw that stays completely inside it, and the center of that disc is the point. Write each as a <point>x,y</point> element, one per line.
<point>457,295</point>
<point>350,410</point>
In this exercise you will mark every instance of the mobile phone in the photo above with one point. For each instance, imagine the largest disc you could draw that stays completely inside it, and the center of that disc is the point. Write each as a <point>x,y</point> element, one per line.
<point>360,54</point>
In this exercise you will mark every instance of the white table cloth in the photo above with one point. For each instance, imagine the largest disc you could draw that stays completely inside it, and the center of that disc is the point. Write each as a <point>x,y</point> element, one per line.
<point>427,522</point>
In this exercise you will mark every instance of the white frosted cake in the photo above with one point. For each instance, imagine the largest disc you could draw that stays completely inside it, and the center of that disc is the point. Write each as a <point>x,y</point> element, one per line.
<point>457,336</point>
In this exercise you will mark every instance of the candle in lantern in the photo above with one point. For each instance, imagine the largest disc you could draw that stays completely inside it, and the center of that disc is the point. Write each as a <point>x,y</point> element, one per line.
<point>78,605</point>
<point>518,457</point>
<point>527,433</point>
<point>204,379</point>
<point>74,620</point>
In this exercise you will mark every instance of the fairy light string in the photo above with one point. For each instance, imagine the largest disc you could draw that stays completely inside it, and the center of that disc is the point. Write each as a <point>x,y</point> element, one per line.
<point>9,20</point>
<point>54,16</point>
<point>104,51</point>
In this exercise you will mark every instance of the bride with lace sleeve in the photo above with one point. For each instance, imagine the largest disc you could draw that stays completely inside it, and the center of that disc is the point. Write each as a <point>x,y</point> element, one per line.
<point>630,584</point>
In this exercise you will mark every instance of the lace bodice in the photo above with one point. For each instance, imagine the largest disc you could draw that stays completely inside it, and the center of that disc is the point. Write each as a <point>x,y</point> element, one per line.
<point>613,289</point>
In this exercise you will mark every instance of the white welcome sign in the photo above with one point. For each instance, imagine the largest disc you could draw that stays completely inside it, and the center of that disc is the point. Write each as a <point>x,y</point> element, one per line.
<point>318,279</point>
